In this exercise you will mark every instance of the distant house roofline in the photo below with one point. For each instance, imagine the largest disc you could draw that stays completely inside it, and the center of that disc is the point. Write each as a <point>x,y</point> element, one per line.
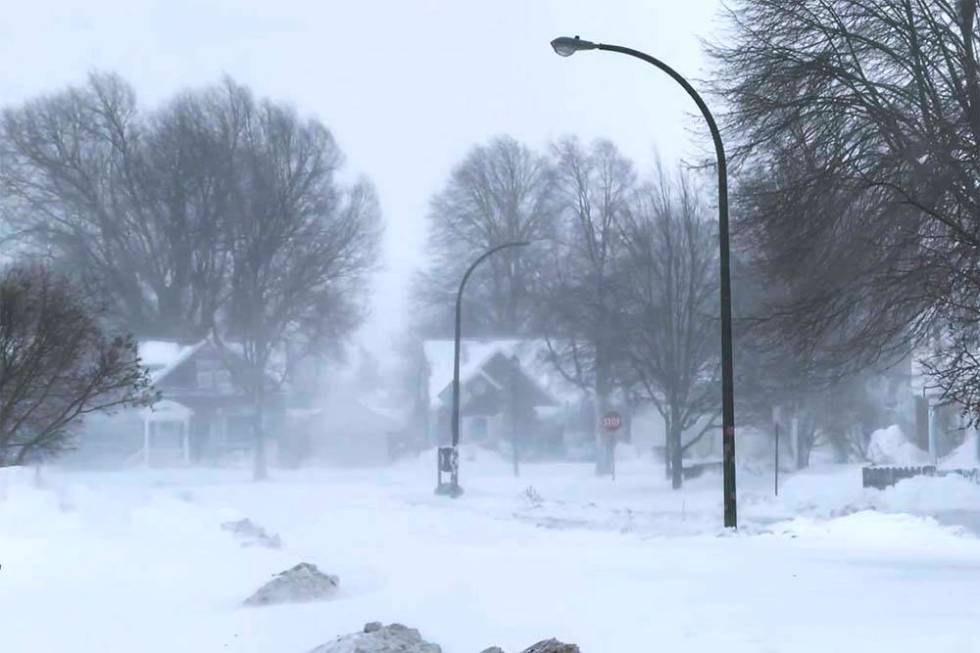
<point>546,398</point>
<point>162,357</point>
<point>531,352</point>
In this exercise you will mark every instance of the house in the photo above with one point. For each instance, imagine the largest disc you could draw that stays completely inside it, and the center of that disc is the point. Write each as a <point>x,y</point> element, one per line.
<point>203,416</point>
<point>934,425</point>
<point>350,429</point>
<point>508,389</point>
<point>340,412</point>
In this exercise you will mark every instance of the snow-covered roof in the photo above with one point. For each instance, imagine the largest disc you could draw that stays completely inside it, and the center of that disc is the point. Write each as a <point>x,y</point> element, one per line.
<point>532,355</point>
<point>161,357</point>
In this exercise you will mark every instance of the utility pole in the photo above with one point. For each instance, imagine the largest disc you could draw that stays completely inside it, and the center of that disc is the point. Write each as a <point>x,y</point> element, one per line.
<point>777,460</point>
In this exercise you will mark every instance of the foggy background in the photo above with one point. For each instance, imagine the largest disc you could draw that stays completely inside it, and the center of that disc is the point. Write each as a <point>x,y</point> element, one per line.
<point>405,87</point>
<point>169,169</point>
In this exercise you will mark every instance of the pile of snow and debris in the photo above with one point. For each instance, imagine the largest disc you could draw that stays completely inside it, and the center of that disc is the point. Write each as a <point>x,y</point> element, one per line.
<point>889,446</point>
<point>252,534</point>
<point>304,582</point>
<point>552,646</point>
<point>964,456</point>
<point>545,646</point>
<point>376,638</point>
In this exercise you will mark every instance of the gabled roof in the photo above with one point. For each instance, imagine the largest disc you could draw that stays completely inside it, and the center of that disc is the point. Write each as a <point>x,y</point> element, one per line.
<point>161,357</point>
<point>496,372</point>
<point>475,355</point>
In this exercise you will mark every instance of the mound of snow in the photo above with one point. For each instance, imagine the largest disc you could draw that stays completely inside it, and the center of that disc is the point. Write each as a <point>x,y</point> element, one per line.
<point>552,646</point>
<point>304,582</point>
<point>824,494</point>
<point>14,478</point>
<point>376,638</point>
<point>545,646</point>
<point>930,494</point>
<point>963,456</point>
<point>252,534</point>
<point>889,446</point>
<point>871,529</point>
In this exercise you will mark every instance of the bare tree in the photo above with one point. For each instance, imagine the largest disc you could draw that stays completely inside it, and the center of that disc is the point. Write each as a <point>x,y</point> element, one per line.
<point>215,214</point>
<point>670,294</point>
<point>580,313</point>
<point>56,365</point>
<point>501,192</point>
<point>130,204</point>
<point>856,126</point>
<point>301,245</point>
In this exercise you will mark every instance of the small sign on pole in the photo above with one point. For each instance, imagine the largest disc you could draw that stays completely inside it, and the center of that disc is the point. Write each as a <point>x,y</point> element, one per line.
<point>777,459</point>
<point>611,422</point>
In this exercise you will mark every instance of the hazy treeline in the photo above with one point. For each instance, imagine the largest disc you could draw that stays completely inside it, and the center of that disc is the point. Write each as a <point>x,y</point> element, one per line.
<point>216,214</point>
<point>620,278</point>
<point>853,130</point>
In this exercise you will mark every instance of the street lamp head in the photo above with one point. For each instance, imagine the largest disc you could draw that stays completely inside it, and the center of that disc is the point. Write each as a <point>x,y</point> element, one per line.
<point>566,46</point>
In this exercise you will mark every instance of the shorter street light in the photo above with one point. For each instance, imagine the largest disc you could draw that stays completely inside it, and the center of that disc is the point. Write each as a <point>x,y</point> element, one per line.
<point>448,459</point>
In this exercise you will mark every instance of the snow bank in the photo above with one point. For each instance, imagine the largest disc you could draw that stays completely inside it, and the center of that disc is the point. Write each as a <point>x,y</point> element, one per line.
<point>824,494</point>
<point>963,456</point>
<point>839,491</point>
<point>873,530</point>
<point>12,479</point>
<point>140,563</point>
<point>889,446</point>
<point>927,494</point>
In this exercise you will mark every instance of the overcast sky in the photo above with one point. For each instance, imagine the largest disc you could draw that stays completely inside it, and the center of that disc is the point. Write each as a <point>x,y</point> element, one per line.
<point>406,86</point>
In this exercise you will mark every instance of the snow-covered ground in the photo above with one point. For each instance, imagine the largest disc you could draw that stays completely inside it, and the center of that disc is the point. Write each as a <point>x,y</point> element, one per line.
<point>137,561</point>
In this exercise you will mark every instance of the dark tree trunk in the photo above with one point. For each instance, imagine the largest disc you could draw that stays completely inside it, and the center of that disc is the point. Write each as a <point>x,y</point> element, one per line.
<point>676,460</point>
<point>261,470</point>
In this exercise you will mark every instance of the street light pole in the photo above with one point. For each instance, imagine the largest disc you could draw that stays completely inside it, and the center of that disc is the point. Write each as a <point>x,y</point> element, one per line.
<point>449,456</point>
<point>567,46</point>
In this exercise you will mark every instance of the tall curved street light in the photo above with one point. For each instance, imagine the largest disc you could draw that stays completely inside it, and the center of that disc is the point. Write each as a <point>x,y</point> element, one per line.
<point>567,46</point>
<point>448,461</point>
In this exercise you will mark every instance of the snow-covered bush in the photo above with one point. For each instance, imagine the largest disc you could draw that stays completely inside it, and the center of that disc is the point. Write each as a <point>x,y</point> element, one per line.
<point>889,446</point>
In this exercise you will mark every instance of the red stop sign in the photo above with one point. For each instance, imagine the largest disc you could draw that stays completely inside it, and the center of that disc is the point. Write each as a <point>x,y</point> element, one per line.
<point>612,421</point>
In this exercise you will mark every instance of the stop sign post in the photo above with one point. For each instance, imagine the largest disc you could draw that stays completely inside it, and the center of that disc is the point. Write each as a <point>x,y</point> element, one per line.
<point>612,421</point>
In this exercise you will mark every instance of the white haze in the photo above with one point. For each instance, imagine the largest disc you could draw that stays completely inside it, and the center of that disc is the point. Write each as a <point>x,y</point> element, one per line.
<point>406,87</point>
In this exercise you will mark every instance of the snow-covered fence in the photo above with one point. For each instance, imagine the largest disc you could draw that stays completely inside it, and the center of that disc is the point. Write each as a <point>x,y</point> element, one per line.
<point>694,470</point>
<point>968,474</point>
<point>883,477</point>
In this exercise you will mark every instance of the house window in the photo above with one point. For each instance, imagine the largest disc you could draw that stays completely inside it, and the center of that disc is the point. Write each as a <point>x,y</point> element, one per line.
<point>222,379</point>
<point>184,375</point>
<point>241,431</point>
<point>478,429</point>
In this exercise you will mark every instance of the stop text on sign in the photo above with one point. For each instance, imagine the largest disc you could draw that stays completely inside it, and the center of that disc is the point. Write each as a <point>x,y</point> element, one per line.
<point>612,421</point>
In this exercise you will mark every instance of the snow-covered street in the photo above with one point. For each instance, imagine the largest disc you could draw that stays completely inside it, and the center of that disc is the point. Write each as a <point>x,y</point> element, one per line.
<point>137,560</point>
